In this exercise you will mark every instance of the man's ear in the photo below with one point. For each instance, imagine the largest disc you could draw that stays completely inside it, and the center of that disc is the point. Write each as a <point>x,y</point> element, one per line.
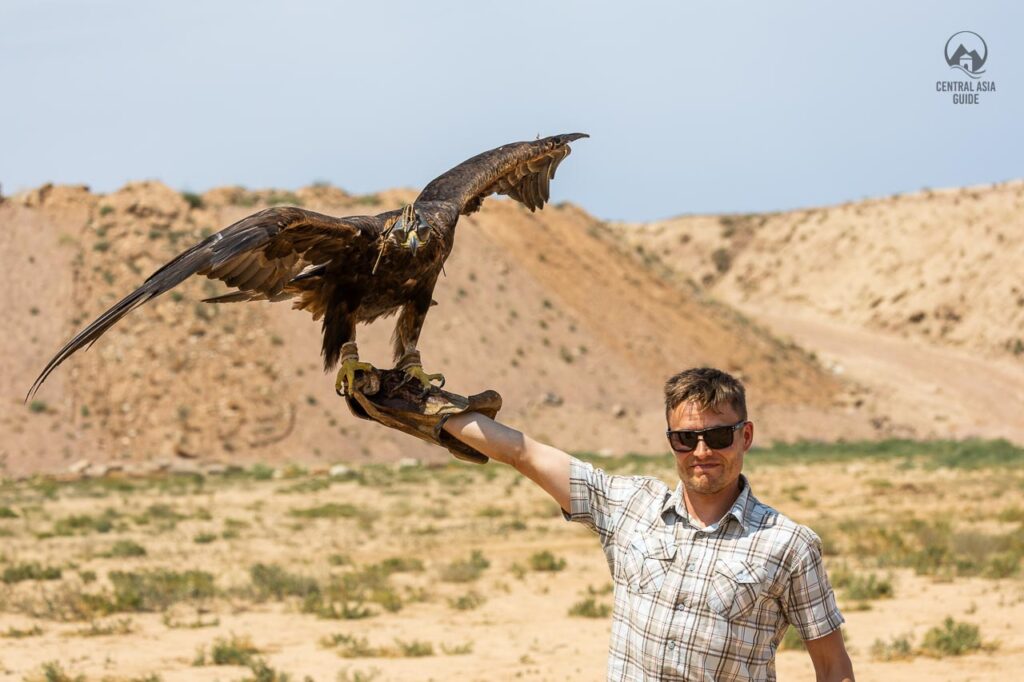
<point>748,435</point>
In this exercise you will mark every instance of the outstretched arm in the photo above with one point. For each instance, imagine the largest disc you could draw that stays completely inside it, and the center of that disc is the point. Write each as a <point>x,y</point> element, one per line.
<point>546,466</point>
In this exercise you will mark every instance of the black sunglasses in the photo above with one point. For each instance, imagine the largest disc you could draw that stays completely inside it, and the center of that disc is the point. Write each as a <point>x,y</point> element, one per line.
<point>716,438</point>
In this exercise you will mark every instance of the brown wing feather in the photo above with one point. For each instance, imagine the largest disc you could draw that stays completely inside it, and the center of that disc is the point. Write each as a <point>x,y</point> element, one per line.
<point>520,170</point>
<point>257,255</point>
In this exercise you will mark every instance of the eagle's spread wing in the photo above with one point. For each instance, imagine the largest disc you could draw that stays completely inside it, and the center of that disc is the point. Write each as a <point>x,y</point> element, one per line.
<point>258,255</point>
<point>521,170</point>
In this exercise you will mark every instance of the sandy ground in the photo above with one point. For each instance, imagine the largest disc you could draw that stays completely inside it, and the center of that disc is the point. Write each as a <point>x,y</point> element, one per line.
<point>521,630</point>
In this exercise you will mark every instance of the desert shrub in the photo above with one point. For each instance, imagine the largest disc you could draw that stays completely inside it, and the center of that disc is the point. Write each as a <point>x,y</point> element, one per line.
<point>857,587</point>
<point>30,571</point>
<point>204,538</point>
<point>125,549</point>
<point>233,650</point>
<point>261,472</point>
<point>590,608</point>
<point>722,259</point>
<point>490,512</point>
<point>193,199</point>
<point>457,649</point>
<point>414,648</point>
<point>81,524</point>
<point>161,516</point>
<point>896,649</point>
<point>951,639</point>
<point>120,626</point>
<point>465,570</point>
<point>51,671</point>
<point>351,646</point>
<point>271,580</point>
<point>399,565</point>
<point>546,561</point>
<point>262,672</point>
<point>467,602</point>
<point>7,513</point>
<point>347,675</point>
<point>346,596</point>
<point>157,589</point>
<point>17,633</point>
<point>331,510</point>
<point>339,560</point>
<point>310,485</point>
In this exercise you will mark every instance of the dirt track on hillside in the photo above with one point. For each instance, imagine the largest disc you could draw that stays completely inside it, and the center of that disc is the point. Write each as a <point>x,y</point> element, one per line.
<point>963,395</point>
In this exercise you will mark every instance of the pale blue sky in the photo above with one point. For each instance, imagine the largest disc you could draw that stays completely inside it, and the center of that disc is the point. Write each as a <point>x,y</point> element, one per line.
<point>692,107</point>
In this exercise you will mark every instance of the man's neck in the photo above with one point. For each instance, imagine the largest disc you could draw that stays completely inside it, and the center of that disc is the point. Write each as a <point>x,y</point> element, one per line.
<point>709,508</point>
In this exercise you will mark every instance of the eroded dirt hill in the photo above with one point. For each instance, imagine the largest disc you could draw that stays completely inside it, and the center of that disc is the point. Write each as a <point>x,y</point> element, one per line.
<point>939,266</point>
<point>574,333</point>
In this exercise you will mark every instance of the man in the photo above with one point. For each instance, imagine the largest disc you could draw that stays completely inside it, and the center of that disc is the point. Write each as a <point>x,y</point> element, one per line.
<point>707,578</point>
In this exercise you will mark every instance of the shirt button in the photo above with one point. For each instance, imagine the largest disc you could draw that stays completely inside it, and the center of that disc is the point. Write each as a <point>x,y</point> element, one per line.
<point>690,567</point>
<point>671,645</point>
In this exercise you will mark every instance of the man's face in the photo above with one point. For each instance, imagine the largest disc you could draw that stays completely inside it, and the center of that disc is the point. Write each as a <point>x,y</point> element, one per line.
<point>703,470</point>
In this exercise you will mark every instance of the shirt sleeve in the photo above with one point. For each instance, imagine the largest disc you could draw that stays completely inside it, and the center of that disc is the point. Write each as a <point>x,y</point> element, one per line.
<point>597,499</point>
<point>809,602</point>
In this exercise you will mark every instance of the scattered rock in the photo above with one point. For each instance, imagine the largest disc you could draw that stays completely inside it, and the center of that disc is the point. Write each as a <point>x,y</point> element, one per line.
<point>552,399</point>
<point>79,467</point>
<point>339,470</point>
<point>618,411</point>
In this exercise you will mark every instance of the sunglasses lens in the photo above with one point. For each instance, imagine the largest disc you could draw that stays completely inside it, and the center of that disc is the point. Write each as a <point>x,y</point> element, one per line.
<point>719,438</point>
<point>683,441</point>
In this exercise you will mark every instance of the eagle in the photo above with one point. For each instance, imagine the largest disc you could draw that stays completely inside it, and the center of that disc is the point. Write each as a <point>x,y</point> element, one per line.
<point>350,270</point>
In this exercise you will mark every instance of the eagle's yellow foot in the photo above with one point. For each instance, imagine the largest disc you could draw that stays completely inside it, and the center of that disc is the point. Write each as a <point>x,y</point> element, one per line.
<point>426,380</point>
<point>347,373</point>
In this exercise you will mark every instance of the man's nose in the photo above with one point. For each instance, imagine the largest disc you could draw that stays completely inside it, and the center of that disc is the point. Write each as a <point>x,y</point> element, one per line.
<point>702,449</point>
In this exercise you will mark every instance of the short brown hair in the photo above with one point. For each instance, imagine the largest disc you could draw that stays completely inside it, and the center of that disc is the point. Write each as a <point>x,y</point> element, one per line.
<point>708,388</point>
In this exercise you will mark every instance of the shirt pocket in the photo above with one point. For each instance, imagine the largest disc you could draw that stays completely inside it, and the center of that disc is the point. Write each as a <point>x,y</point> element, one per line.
<point>735,587</point>
<point>648,561</point>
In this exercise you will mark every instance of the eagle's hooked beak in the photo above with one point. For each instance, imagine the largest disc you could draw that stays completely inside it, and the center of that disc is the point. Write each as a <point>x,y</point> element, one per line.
<point>411,229</point>
<point>413,241</point>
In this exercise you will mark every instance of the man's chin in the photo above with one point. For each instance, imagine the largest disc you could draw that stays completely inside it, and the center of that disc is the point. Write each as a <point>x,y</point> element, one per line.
<point>702,484</point>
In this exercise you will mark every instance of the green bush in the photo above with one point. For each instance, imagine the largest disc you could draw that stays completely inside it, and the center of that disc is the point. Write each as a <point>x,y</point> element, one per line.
<point>30,571</point>
<point>896,649</point>
<point>331,510</point>
<point>546,561</point>
<point>467,602</point>
<point>465,570</point>
<point>951,639</point>
<point>126,549</point>
<point>589,608</point>
<point>157,589</point>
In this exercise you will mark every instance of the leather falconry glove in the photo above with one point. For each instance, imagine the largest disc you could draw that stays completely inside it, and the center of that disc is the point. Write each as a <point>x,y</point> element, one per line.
<point>387,396</point>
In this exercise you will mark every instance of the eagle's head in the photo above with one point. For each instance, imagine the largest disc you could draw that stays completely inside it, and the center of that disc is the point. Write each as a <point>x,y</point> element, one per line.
<point>411,229</point>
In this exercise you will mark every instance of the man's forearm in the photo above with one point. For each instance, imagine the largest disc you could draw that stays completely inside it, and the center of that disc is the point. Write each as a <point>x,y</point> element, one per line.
<point>545,465</point>
<point>497,441</point>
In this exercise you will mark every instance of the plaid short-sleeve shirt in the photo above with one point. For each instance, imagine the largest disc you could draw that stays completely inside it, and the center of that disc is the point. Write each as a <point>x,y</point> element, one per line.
<point>693,603</point>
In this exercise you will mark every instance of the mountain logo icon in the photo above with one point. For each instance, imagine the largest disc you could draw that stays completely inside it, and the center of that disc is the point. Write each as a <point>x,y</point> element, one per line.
<point>968,52</point>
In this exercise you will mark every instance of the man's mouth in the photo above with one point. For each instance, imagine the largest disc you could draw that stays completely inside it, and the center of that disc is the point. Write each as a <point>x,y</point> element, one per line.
<point>704,466</point>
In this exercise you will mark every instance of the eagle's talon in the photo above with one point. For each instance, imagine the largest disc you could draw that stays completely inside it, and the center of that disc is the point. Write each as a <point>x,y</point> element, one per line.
<point>426,380</point>
<point>347,374</point>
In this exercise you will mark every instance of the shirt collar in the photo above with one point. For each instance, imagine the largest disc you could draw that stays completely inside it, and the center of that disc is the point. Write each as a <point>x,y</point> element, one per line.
<point>738,510</point>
